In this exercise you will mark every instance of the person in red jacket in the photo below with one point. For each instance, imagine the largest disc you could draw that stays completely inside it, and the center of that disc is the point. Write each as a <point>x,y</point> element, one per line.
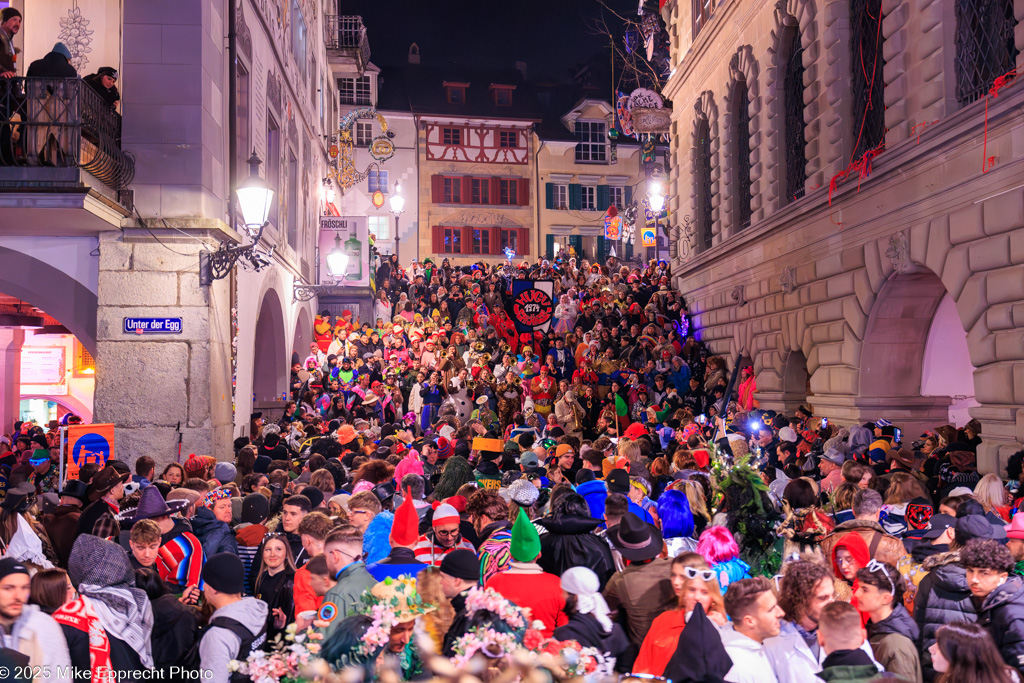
<point>313,530</point>
<point>527,585</point>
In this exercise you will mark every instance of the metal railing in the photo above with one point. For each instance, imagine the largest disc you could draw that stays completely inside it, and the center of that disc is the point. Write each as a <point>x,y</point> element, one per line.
<point>62,122</point>
<point>347,33</point>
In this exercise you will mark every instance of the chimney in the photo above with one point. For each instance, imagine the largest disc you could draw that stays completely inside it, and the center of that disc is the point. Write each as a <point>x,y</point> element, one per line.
<point>414,54</point>
<point>521,68</point>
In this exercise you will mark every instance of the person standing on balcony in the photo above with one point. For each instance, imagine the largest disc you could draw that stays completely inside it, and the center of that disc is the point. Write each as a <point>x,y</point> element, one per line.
<point>10,24</point>
<point>55,64</point>
<point>104,82</point>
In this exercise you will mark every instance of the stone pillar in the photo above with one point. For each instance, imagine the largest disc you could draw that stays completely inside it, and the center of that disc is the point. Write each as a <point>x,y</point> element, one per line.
<point>146,384</point>
<point>11,339</point>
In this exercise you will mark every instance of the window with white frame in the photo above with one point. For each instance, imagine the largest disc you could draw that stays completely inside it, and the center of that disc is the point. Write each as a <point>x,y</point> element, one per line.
<point>561,197</point>
<point>378,180</point>
<point>592,145</point>
<point>589,202</point>
<point>617,197</point>
<point>379,227</point>
<point>364,133</point>
<point>354,90</point>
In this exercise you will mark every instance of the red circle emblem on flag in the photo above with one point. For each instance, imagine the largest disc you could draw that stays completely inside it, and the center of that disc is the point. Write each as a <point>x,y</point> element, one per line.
<point>533,307</point>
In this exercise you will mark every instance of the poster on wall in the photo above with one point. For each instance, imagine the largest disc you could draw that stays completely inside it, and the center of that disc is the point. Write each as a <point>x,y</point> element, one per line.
<point>86,444</point>
<point>351,232</point>
<point>43,371</point>
<point>533,305</point>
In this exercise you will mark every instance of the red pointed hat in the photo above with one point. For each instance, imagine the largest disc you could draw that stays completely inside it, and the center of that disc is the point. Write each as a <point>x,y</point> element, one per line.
<point>405,528</point>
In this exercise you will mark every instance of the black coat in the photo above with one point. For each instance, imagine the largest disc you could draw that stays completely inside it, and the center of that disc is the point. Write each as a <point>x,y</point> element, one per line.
<point>570,542</point>
<point>942,598</point>
<point>587,631</point>
<point>52,65</point>
<point>459,625</point>
<point>175,628</point>
<point>123,658</point>
<point>1002,614</point>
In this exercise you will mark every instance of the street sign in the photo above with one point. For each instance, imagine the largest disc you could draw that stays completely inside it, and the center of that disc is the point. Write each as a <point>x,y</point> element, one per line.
<point>85,444</point>
<point>152,325</point>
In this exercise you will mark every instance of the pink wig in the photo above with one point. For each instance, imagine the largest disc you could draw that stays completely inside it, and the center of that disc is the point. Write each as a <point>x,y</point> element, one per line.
<point>717,545</point>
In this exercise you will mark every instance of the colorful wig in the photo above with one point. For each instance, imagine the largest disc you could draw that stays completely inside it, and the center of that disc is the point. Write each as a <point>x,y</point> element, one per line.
<point>676,516</point>
<point>717,545</point>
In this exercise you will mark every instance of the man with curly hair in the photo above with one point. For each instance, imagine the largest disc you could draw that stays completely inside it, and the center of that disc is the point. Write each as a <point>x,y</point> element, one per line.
<point>489,513</point>
<point>805,590</point>
<point>998,596</point>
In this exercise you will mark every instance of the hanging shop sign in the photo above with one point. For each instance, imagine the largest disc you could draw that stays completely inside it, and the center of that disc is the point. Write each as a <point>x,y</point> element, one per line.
<point>533,305</point>
<point>651,120</point>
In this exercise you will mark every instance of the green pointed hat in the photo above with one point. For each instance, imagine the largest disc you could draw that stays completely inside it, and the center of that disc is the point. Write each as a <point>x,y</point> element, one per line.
<point>525,539</point>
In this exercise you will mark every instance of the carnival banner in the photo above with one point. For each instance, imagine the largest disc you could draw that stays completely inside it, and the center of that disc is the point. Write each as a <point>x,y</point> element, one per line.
<point>533,305</point>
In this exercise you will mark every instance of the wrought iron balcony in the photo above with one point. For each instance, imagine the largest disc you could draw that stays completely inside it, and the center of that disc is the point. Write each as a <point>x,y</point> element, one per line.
<point>347,34</point>
<point>58,123</point>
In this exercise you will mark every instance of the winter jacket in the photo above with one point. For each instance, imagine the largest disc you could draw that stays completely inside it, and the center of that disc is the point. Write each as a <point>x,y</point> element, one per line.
<point>942,598</point>
<point>853,666</point>
<point>220,645</point>
<point>570,542</point>
<point>894,643</point>
<point>62,527</point>
<point>1002,614</point>
<point>641,592</point>
<point>347,594</point>
<point>36,635</point>
<point>881,546</point>
<point>595,492</point>
<point>215,535</point>
<point>586,630</point>
<point>750,663</point>
<point>175,627</point>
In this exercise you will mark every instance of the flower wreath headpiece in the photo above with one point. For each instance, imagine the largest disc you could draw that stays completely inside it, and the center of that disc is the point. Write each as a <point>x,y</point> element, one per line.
<point>390,602</point>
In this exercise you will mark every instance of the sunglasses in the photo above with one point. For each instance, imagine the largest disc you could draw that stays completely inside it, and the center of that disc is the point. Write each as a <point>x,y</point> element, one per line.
<point>876,566</point>
<point>702,574</point>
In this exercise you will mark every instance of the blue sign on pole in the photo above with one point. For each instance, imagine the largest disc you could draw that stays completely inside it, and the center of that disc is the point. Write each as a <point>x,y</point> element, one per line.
<point>152,325</point>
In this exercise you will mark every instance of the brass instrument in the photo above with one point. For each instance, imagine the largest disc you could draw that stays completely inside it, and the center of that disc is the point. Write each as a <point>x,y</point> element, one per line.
<point>576,418</point>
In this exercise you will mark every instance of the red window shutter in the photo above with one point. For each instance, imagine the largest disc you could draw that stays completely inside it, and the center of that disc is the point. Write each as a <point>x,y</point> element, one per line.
<point>524,241</point>
<point>467,190</point>
<point>467,240</point>
<point>495,240</point>
<point>495,191</point>
<point>436,188</point>
<point>524,192</point>
<point>437,239</point>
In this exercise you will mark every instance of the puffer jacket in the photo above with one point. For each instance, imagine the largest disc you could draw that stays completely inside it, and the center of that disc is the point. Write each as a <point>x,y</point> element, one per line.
<point>595,492</point>
<point>894,641</point>
<point>1002,615</point>
<point>215,535</point>
<point>942,598</point>
<point>882,546</point>
<point>570,542</point>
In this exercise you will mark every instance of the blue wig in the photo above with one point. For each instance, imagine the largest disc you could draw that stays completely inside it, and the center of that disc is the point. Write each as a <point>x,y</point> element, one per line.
<point>676,516</point>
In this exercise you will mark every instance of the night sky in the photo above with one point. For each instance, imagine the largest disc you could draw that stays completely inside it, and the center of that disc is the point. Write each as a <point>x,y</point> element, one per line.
<point>549,35</point>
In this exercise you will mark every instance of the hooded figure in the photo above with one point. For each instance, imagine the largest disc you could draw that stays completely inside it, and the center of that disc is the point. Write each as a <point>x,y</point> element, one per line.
<point>110,624</point>
<point>700,656</point>
<point>589,621</point>
<point>859,558</point>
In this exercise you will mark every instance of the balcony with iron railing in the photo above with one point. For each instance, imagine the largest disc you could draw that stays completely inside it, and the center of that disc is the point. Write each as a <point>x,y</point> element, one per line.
<point>58,137</point>
<point>346,40</point>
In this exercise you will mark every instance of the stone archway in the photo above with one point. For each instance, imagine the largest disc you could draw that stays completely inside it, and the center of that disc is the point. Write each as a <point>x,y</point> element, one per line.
<point>303,334</point>
<point>269,370</point>
<point>796,381</point>
<point>892,359</point>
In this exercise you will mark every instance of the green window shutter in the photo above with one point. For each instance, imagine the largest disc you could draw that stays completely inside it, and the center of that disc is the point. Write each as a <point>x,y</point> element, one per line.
<point>629,195</point>
<point>550,254</point>
<point>629,251</point>
<point>576,242</point>
<point>549,195</point>
<point>575,197</point>
<point>602,249</point>
<point>603,198</point>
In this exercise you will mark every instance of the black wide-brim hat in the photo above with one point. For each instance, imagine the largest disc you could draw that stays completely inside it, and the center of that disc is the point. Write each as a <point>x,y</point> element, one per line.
<point>635,539</point>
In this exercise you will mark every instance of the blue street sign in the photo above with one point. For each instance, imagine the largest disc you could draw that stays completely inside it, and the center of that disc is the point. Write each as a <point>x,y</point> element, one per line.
<point>152,325</point>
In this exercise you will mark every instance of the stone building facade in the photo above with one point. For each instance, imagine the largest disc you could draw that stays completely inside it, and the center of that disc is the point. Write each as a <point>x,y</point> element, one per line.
<point>847,282</point>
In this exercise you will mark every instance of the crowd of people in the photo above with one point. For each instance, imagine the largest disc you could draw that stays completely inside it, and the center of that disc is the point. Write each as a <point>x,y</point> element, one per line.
<point>444,489</point>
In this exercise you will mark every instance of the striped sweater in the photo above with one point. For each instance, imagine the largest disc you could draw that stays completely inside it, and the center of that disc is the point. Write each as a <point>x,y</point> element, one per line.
<point>429,552</point>
<point>180,562</point>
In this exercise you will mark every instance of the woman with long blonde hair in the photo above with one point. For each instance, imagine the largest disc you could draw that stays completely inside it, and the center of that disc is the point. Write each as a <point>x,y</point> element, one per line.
<point>992,496</point>
<point>693,582</point>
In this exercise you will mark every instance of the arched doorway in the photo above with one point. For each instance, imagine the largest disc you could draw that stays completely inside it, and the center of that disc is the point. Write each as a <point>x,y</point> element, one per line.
<point>303,334</point>
<point>899,380</point>
<point>269,369</point>
<point>796,381</point>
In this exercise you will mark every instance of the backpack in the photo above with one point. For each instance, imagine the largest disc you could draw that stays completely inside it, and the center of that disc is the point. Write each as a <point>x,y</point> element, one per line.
<point>249,645</point>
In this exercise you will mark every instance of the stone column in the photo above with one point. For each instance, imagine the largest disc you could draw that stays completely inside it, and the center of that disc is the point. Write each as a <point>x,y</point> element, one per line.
<point>146,384</point>
<point>11,339</point>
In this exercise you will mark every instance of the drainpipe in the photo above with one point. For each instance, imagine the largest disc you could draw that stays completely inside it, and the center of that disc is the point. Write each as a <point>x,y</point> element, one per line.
<point>536,175</point>
<point>232,110</point>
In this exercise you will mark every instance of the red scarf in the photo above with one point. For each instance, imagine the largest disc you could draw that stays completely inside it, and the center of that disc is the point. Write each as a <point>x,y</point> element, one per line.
<point>112,504</point>
<point>79,614</point>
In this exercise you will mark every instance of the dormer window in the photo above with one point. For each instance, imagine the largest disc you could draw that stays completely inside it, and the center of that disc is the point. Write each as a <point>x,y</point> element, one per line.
<point>455,93</point>
<point>502,94</point>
